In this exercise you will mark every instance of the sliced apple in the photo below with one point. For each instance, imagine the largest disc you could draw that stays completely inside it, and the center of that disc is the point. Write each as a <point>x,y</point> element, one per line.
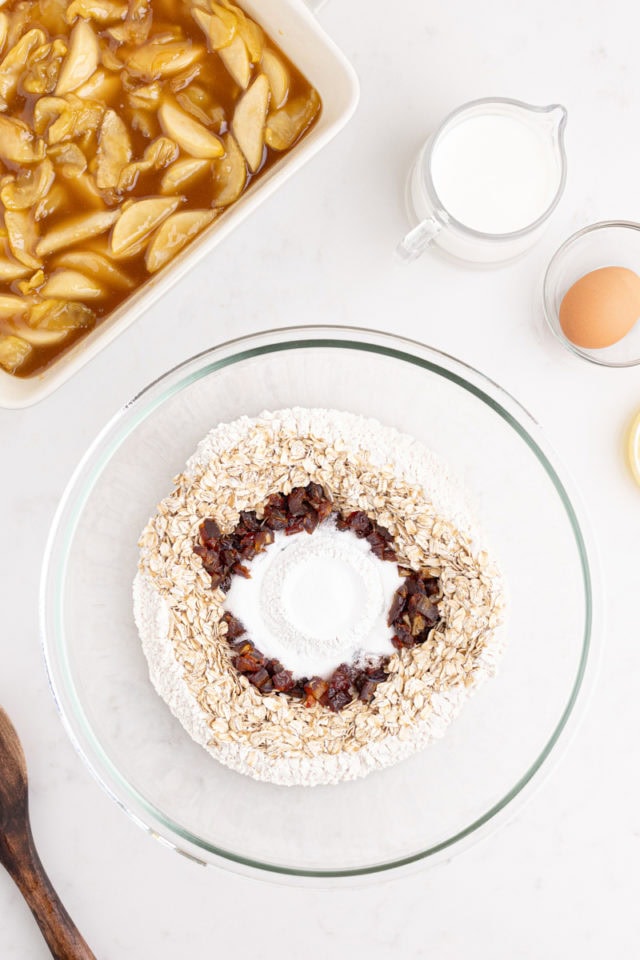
<point>114,151</point>
<point>278,77</point>
<point>75,230</point>
<point>182,174</point>
<point>135,225</point>
<point>15,60</point>
<point>11,270</point>
<point>236,59</point>
<point>12,306</point>
<point>81,61</point>
<point>29,187</point>
<point>219,30</point>
<point>102,86</point>
<point>4,29</point>
<point>13,352</point>
<point>253,38</point>
<point>248,29</point>
<point>174,234</point>
<point>228,17</point>
<point>102,11</point>
<point>54,200</point>
<point>72,285</point>
<point>32,285</point>
<point>95,266</point>
<point>157,155</point>
<point>23,236</point>
<point>17,142</point>
<point>230,173</point>
<point>52,321</point>
<point>286,125</point>
<point>153,61</point>
<point>190,135</point>
<point>249,121</point>
<point>69,159</point>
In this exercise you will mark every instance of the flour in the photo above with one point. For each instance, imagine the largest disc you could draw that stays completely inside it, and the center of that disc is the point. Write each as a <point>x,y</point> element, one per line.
<point>314,602</point>
<point>366,466</point>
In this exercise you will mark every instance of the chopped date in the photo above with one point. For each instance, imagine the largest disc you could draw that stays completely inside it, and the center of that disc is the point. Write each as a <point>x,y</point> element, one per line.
<point>283,681</point>
<point>234,626</point>
<point>210,531</point>
<point>260,678</point>
<point>358,522</point>
<point>338,699</point>
<point>367,690</point>
<point>250,662</point>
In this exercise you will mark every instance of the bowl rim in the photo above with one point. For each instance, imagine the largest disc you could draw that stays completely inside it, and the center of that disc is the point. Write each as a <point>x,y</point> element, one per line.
<point>141,406</point>
<point>550,314</point>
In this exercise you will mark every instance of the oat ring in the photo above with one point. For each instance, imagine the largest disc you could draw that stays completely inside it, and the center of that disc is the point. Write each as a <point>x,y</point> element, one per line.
<point>240,465</point>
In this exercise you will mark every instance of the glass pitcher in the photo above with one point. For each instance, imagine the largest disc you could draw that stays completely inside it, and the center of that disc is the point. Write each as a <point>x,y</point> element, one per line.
<point>497,148</point>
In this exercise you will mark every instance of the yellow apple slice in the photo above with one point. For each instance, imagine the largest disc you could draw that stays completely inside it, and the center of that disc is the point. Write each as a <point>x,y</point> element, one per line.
<point>81,61</point>
<point>12,306</point>
<point>174,234</point>
<point>4,29</point>
<point>236,59</point>
<point>278,77</point>
<point>102,11</point>
<point>230,173</point>
<point>29,187</point>
<point>135,225</point>
<point>14,62</point>
<point>220,32</point>
<point>182,174</point>
<point>95,265</point>
<point>17,142</point>
<point>157,155</point>
<point>22,234</point>
<point>52,321</point>
<point>71,285</point>
<point>190,135</point>
<point>10,270</point>
<point>13,352</point>
<point>75,230</point>
<point>114,151</point>
<point>155,60</point>
<point>249,121</point>
<point>286,125</point>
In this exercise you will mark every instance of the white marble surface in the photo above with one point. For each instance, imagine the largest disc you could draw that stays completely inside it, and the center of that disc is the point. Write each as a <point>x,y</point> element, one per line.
<point>563,879</point>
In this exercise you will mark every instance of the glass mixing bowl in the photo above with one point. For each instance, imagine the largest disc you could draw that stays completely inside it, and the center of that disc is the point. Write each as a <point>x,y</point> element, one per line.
<point>422,809</point>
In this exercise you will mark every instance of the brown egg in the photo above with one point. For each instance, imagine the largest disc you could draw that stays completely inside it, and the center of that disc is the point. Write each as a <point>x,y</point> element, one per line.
<point>601,307</point>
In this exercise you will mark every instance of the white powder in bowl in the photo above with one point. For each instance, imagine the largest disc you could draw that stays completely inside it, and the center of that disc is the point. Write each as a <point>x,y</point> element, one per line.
<point>314,602</point>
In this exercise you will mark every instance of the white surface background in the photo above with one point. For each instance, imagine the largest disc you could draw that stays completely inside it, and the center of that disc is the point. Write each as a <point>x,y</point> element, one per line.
<point>563,879</point>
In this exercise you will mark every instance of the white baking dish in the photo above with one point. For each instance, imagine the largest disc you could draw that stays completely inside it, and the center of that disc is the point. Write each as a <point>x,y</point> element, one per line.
<point>296,31</point>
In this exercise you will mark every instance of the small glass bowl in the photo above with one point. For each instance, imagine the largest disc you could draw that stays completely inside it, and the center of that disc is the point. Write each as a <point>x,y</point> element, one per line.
<point>611,243</point>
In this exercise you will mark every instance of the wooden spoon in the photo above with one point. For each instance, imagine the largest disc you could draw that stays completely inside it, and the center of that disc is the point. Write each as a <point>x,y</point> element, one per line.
<point>19,855</point>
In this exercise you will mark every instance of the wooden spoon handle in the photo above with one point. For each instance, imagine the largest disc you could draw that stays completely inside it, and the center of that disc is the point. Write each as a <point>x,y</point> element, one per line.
<point>20,857</point>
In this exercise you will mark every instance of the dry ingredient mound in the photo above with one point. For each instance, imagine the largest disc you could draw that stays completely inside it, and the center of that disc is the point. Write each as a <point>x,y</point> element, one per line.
<point>363,466</point>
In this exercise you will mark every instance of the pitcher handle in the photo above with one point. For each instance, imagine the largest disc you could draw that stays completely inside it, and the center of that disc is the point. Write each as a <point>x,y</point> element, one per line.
<point>414,243</point>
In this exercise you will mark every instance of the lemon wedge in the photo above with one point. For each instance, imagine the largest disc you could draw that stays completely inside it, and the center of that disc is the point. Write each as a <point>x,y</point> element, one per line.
<point>633,448</point>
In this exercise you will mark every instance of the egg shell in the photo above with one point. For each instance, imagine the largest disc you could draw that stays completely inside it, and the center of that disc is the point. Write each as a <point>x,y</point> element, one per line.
<point>601,307</point>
